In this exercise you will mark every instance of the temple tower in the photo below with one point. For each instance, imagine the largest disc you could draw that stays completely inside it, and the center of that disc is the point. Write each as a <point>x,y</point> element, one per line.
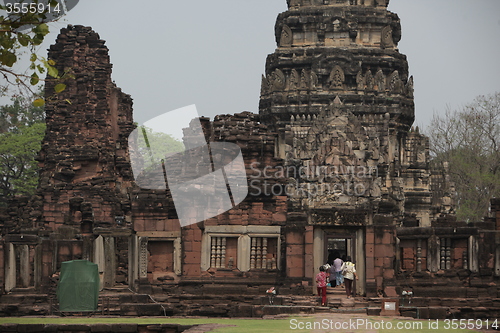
<point>339,95</point>
<point>342,48</point>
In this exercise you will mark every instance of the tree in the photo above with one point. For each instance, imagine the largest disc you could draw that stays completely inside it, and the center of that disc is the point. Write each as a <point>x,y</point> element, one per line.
<point>23,27</point>
<point>18,168</point>
<point>22,128</point>
<point>20,113</point>
<point>468,139</point>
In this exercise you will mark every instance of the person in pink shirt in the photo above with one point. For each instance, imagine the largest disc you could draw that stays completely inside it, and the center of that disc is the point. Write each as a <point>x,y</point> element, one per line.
<point>321,284</point>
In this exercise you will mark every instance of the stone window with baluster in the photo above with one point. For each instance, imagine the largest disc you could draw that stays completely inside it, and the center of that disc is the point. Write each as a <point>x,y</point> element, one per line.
<point>242,248</point>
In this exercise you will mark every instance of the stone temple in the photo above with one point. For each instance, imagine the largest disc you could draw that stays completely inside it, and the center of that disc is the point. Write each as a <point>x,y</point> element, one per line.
<point>333,164</point>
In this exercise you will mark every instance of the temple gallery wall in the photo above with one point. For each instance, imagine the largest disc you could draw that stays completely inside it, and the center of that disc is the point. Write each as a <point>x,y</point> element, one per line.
<point>332,161</point>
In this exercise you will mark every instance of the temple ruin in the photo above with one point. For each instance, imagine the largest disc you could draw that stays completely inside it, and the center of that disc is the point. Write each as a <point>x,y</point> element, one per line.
<point>333,164</point>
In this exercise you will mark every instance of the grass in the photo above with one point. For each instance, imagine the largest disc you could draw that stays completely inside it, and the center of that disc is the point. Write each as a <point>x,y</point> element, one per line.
<point>301,324</point>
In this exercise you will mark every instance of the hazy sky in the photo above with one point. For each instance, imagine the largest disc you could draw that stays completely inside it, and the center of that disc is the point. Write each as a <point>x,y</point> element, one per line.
<point>170,54</point>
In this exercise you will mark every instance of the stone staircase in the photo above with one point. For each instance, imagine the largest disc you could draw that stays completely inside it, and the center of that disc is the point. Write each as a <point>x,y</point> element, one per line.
<point>124,302</point>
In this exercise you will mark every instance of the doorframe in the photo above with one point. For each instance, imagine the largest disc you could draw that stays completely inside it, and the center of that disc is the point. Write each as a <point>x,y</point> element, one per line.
<point>321,235</point>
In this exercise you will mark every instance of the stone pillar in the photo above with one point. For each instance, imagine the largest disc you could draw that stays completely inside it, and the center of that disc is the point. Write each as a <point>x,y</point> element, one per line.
<point>244,245</point>
<point>294,253</point>
<point>370,282</point>
<point>132,261</point>
<point>10,268</point>
<point>37,267</point>
<point>319,252</point>
<point>24,265</point>
<point>433,253</point>
<point>110,261</point>
<point>473,254</point>
<point>99,258</point>
<point>309,253</point>
<point>360,262</point>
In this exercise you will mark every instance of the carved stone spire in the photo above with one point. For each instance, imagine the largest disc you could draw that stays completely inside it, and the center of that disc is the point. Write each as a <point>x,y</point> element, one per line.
<point>346,52</point>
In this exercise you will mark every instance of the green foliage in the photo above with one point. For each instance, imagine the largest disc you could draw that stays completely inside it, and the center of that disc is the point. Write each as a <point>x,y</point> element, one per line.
<point>18,168</point>
<point>21,34</point>
<point>468,139</point>
<point>20,113</point>
<point>161,144</point>
<point>22,129</point>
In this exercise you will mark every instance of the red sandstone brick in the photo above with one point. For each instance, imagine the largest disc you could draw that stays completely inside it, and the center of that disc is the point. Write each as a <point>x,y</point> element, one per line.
<point>191,270</point>
<point>388,237</point>
<point>196,247</point>
<point>390,292</point>
<point>172,225</point>
<point>77,249</point>
<point>191,258</point>
<point>370,237</point>
<point>388,262</point>
<point>279,217</point>
<point>370,250</point>
<point>295,271</point>
<point>309,235</point>
<point>64,250</point>
<point>308,265</point>
<point>369,262</point>
<point>384,250</point>
<point>295,250</point>
<point>150,225</point>
<point>370,273</point>
<point>380,281</point>
<point>139,225</point>
<point>294,238</point>
<point>160,225</point>
<point>388,274</point>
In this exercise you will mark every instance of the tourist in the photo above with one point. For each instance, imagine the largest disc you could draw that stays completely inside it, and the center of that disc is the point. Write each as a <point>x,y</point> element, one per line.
<point>321,284</point>
<point>349,272</point>
<point>337,270</point>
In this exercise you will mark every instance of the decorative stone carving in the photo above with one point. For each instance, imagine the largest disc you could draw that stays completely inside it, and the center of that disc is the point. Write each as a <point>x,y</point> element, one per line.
<point>294,81</point>
<point>286,39</point>
<point>278,80</point>
<point>337,78</point>
<point>143,257</point>
<point>314,80</point>
<point>409,87</point>
<point>305,80</point>
<point>369,80</point>
<point>386,40</point>
<point>395,83</point>
<point>360,81</point>
<point>264,87</point>
<point>380,81</point>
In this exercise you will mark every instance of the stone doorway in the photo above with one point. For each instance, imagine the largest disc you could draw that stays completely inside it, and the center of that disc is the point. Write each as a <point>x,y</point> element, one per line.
<point>348,241</point>
<point>339,245</point>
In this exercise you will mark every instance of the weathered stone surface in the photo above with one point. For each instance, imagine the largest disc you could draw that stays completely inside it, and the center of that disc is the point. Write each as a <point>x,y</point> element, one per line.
<point>332,162</point>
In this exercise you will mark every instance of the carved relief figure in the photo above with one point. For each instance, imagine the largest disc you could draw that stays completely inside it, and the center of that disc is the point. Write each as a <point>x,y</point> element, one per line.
<point>360,81</point>
<point>305,80</point>
<point>279,80</point>
<point>294,81</point>
<point>395,83</point>
<point>286,37</point>
<point>386,38</point>
<point>370,82</point>
<point>380,80</point>
<point>337,77</point>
